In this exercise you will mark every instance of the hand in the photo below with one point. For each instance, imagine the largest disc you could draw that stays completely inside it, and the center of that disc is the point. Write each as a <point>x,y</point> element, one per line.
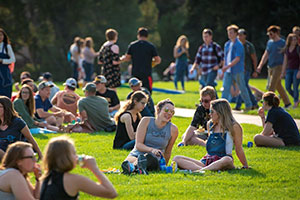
<point>261,112</point>
<point>224,68</point>
<point>89,162</point>
<point>298,74</point>
<point>258,70</point>
<point>37,171</point>
<point>254,74</point>
<point>216,67</point>
<point>282,75</point>
<point>222,75</point>
<point>192,70</point>
<point>156,152</point>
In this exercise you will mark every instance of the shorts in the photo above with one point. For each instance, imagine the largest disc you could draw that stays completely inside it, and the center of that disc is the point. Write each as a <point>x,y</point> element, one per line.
<point>208,159</point>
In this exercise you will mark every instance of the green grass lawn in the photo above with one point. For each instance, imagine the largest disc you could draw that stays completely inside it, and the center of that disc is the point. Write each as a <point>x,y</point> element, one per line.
<point>191,97</point>
<point>275,173</point>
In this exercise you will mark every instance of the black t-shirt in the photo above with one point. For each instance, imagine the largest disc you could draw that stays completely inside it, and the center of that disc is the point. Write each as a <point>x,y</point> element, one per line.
<point>111,97</point>
<point>284,126</point>
<point>122,137</point>
<point>201,117</point>
<point>141,52</point>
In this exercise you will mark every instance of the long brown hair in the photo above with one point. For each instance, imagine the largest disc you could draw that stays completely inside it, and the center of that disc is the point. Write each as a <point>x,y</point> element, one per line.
<point>13,154</point>
<point>9,111</point>
<point>30,103</point>
<point>6,40</point>
<point>58,155</point>
<point>289,41</point>
<point>136,96</point>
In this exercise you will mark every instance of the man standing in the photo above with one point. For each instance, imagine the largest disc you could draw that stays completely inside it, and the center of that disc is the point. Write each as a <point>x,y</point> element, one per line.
<point>210,56</point>
<point>94,110</point>
<point>250,67</point>
<point>136,85</point>
<point>109,94</point>
<point>43,105</point>
<point>143,55</point>
<point>274,55</point>
<point>233,68</point>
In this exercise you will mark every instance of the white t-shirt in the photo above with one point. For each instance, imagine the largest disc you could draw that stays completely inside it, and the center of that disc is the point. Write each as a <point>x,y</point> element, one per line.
<point>10,52</point>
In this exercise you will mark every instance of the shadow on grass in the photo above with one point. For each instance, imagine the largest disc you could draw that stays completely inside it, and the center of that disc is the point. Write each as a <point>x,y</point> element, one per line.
<point>247,172</point>
<point>289,148</point>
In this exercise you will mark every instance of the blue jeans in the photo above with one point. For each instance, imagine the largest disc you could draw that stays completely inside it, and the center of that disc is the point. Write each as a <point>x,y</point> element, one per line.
<point>75,71</point>
<point>129,145</point>
<point>247,76</point>
<point>240,81</point>
<point>210,78</point>
<point>290,78</point>
<point>181,68</point>
<point>89,70</point>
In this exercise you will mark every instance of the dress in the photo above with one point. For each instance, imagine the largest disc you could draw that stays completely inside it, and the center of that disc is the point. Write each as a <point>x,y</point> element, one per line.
<point>111,72</point>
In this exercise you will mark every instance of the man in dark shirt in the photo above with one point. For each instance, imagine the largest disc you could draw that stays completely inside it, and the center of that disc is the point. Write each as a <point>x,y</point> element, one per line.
<point>110,95</point>
<point>136,85</point>
<point>144,56</point>
<point>201,117</point>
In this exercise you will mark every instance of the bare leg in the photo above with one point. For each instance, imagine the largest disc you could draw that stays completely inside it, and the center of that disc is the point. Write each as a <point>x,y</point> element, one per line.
<point>224,163</point>
<point>196,141</point>
<point>268,141</point>
<point>59,121</point>
<point>184,162</point>
<point>189,133</point>
<point>51,120</point>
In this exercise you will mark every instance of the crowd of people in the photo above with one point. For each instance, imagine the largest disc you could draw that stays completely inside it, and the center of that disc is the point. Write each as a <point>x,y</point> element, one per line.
<point>146,131</point>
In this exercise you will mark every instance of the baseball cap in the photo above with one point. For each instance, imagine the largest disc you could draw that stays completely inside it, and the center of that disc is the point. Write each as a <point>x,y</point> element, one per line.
<point>90,87</point>
<point>134,81</point>
<point>71,82</point>
<point>100,79</point>
<point>47,75</point>
<point>44,84</point>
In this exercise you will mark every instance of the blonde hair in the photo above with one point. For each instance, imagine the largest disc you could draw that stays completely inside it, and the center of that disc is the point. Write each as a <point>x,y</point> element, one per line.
<point>88,41</point>
<point>208,90</point>
<point>223,109</point>
<point>58,155</point>
<point>234,27</point>
<point>183,37</point>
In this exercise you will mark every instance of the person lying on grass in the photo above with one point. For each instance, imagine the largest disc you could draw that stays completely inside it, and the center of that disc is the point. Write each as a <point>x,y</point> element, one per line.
<point>128,119</point>
<point>224,132</point>
<point>201,116</point>
<point>155,137</point>
<point>58,183</point>
<point>280,128</point>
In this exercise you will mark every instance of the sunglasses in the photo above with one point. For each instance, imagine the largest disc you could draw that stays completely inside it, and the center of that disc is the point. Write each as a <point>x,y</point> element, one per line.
<point>167,110</point>
<point>205,100</point>
<point>34,157</point>
<point>143,103</point>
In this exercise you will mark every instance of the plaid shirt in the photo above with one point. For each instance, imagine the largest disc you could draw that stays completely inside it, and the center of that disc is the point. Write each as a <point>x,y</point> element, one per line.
<point>206,57</point>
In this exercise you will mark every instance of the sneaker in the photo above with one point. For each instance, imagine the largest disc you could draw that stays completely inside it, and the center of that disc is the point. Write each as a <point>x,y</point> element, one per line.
<point>142,165</point>
<point>127,167</point>
<point>180,144</point>
<point>287,106</point>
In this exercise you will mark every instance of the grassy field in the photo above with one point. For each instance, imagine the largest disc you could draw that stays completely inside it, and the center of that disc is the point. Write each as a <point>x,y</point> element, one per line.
<point>275,173</point>
<point>191,97</point>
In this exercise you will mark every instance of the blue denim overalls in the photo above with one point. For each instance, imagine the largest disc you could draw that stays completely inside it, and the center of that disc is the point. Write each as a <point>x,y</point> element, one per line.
<point>5,76</point>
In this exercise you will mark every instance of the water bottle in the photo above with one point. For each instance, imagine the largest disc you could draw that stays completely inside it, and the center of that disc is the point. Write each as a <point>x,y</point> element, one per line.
<point>162,163</point>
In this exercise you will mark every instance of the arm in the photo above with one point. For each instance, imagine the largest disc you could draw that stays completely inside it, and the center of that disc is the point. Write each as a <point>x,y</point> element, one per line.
<point>54,99</point>
<point>193,67</point>
<point>238,143</point>
<point>19,107</point>
<point>177,54</point>
<point>75,183</point>
<point>11,54</point>
<point>116,107</point>
<point>261,113</point>
<point>263,61</point>
<point>174,135</point>
<point>83,115</point>
<point>125,58</point>
<point>233,63</point>
<point>283,72</point>
<point>268,129</point>
<point>126,118</point>
<point>115,49</point>
<point>254,62</point>
<point>25,131</point>
<point>156,60</point>
<point>57,112</point>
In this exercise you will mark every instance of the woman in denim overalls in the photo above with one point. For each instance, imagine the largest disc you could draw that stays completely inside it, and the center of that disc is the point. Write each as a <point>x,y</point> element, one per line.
<point>224,132</point>
<point>6,57</point>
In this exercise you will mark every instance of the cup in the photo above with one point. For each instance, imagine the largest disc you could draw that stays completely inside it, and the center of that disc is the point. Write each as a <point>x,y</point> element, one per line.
<point>80,160</point>
<point>250,144</point>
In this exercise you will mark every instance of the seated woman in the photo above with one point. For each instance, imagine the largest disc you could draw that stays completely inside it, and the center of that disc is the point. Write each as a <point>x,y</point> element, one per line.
<point>58,183</point>
<point>24,104</point>
<point>280,128</point>
<point>224,131</point>
<point>155,137</point>
<point>128,119</point>
<point>201,116</point>
<point>13,128</point>
<point>18,161</point>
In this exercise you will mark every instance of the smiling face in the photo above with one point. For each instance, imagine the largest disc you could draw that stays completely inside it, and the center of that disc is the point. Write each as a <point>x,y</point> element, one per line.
<point>166,113</point>
<point>231,34</point>
<point>45,92</point>
<point>25,94</point>
<point>205,100</point>
<point>207,38</point>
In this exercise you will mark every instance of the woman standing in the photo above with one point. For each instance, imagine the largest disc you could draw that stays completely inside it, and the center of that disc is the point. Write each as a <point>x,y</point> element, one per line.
<point>181,54</point>
<point>7,57</point>
<point>291,67</point>
<point>24,104</point>
<point>75,50</point>
<point>89,55</point>
<point>280,128</point>
<point>109,57</point>
<point>155,137</point>
<point>58,183</point>
<point>18,161</point>
<point>224,132</point>
<point>12,128</point>
<point>128,119</point>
